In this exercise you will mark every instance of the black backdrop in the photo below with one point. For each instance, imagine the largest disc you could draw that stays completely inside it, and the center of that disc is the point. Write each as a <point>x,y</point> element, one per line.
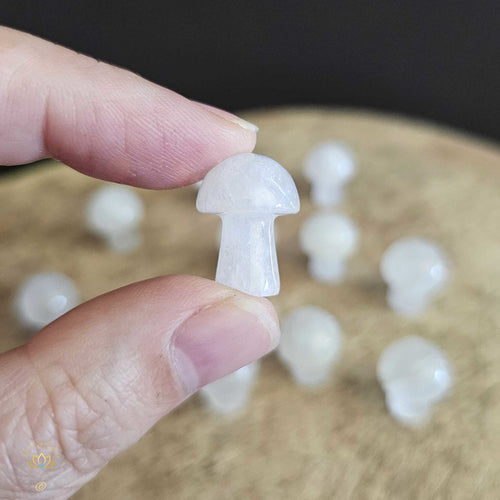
<point>438,60</point>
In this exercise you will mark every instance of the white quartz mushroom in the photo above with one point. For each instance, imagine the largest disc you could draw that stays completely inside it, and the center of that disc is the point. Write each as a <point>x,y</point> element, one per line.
<point>328,167</point>
<point>42,298</point>
<point>311,342</point>
<point>248,191</point>
<point>230,393</point>
<point>415,271</point>
<point>114,213</point>
<point>329,240</point>
<point>415,374</point>
<point>197,185</point>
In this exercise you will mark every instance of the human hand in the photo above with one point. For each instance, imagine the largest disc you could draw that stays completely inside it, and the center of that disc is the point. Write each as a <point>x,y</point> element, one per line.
<point>95,380</point>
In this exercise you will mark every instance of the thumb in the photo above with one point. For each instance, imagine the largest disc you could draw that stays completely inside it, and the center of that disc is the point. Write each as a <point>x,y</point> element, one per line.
<point>95,380</point>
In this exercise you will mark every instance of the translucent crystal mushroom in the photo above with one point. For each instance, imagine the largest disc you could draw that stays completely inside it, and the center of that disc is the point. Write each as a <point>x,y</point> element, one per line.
<point>248,191</point>
<point>231,393</point>
<point>329,240</point>
<point>328,167</point>
<point>218,234</point>
<point>415,271</point>
<point>115,213</point>
<point>415,375</point>
<point>42,298</point>
<point>311,342</point>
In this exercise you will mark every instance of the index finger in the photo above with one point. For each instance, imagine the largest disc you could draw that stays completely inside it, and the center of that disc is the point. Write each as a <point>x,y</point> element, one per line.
<point>105,121</point>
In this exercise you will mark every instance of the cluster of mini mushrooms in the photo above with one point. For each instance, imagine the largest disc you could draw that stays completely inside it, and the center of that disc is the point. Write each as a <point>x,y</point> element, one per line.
<point>248,191</point>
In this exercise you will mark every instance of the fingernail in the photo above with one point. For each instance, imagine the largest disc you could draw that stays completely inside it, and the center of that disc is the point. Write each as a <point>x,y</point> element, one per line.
<point>221,338</point>
<point>244,124</point>
<point>229,116</point>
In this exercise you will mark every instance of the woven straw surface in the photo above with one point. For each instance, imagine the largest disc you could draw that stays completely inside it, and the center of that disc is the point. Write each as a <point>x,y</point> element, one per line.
<point>414,179</point>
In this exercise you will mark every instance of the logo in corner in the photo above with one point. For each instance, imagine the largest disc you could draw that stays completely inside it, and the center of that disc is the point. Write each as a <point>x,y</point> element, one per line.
<point>41,455</point>
<point>41,462</point>
<point>40,486</point>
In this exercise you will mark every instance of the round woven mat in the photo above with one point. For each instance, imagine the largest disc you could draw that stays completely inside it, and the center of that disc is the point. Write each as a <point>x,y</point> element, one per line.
<point>414,179</point>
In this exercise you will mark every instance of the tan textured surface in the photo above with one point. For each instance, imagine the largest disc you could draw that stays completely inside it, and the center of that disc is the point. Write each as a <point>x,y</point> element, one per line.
<point>292,444</point>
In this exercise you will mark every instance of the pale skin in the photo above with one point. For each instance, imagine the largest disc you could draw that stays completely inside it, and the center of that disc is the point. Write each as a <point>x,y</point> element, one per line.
<point>94,381</point>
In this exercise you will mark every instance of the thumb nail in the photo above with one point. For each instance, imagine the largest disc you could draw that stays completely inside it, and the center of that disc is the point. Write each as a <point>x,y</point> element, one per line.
<point>221,338</point>
<point>229,116</point>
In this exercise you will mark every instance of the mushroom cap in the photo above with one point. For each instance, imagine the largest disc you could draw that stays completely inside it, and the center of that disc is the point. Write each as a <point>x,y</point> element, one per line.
<point>230,393</point>
<point>311,336</point>
<point>43,297</point>
<point>416,263</point>
<point>248,183</point>
<point>328,235</point>
<point>415,370</point>
<point>114,209</point>
<point>329,161</point>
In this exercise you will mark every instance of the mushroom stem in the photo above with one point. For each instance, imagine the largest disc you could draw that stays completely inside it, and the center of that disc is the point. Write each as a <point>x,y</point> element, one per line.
<point>124,241</point>
<point>326,269</point>
<point>247,256</point>
<point>326,194</point>
<point>407,302</point>
<point>309,376</point>
<point>410,413</point>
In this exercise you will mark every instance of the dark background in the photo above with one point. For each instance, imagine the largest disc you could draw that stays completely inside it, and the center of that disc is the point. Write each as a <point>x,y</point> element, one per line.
<point>437,60</point>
